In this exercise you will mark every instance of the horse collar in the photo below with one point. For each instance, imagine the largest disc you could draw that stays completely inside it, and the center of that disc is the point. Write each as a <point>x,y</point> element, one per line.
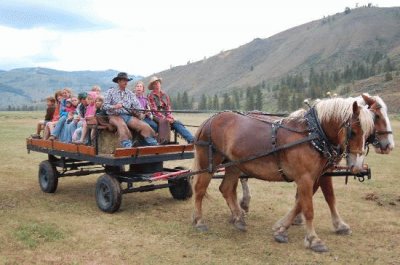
<point>321,141</point>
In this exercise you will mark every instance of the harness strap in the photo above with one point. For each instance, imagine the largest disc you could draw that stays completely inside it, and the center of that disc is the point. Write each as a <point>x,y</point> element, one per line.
<point>248,159</point>
<point>274,136</point>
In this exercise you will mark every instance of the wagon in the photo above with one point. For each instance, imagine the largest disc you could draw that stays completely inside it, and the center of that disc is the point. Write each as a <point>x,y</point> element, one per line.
<point>126,170</point>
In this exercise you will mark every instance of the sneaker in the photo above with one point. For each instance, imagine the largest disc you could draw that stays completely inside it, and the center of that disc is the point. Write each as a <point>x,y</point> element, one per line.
<point>36,136</point>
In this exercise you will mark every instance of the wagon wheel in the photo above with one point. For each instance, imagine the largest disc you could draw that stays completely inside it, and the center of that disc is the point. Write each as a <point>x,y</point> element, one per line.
<point>108,193</point>
<point>181,188</point>
<point>48,177</point>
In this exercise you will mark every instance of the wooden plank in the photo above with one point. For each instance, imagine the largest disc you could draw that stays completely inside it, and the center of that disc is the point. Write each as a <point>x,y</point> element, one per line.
<point>42,143</point>
<point>86,150</point>
<point>65,147</point>
<point>152,150</point>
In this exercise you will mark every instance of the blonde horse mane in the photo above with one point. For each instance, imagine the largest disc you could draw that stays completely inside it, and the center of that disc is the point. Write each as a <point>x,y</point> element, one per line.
<point>341,109</point>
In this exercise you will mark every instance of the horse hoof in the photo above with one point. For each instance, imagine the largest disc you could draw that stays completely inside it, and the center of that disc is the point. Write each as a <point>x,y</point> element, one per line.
<point>319,247</point>
<point>281,238</point>
<point>240,225</point>
<point>298,220</point>
<point>343,231</point>
<point>201,228</point>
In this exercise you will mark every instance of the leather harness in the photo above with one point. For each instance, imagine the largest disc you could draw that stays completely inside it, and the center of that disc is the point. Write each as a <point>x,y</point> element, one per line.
<point>315,132</point>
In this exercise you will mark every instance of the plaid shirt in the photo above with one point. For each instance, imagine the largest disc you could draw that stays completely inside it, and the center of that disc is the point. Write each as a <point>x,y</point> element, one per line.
<point>126,97</point>
<point>160,102</point>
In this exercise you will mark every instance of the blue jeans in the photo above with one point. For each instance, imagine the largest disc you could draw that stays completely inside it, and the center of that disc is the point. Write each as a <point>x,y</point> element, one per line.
<point>152,123</point>
<point>126,117</point>
<point>59,126</point>
<point>182,131</point>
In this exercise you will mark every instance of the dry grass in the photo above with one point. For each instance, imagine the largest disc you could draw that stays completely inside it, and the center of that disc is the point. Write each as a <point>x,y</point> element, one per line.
<point>152,228</point>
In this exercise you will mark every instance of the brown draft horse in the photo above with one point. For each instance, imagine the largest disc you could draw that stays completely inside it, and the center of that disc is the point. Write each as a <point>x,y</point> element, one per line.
<point>234,136</point>
<point>383,143</point>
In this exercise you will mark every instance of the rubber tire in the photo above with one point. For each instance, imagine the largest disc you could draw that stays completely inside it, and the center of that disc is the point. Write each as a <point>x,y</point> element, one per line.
<point>108,193</point>
<point>48,177</point>
<point>180,189</point>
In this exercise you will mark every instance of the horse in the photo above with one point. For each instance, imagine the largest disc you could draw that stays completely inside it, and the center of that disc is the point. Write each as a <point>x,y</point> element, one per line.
<point>381,140</point>
<point>299,148</point>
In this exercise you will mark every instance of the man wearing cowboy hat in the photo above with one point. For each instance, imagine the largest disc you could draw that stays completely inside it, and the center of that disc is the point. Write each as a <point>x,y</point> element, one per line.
<point>119,103</point>
<point>160,104</point>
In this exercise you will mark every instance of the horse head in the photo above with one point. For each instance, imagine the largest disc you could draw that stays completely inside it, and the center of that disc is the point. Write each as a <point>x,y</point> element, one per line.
<point>382,138</point>
<point>347,126</point>
<point>359,128</point>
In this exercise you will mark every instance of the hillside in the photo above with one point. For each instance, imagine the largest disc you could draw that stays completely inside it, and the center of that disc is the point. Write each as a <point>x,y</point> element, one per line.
<point>328,44</point>
<point>27,86</point>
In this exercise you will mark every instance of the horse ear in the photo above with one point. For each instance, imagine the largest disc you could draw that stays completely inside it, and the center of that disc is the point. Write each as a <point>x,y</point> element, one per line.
<point>356,109</point>
<point>369,100</point>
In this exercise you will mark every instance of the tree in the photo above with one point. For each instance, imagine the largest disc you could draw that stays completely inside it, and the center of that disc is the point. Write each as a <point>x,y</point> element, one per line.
<point>236,99</point>
<point>259,99</point>
<point>203,103</point>
<point>249,99</point>
<point>216,102</point>
<point>347,10</point>
<point>226,103</point>
<point>388,76</point>
<point>185,101</point>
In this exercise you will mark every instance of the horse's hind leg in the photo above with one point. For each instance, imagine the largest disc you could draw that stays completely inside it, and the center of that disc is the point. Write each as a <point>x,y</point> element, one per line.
<point>201,182</point>
<point>228,189</point>
<point>245,201</point>
<point>340,227</point>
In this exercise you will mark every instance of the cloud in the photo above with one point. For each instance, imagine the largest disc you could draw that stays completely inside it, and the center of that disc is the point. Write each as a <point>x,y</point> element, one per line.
<point>27,15</point>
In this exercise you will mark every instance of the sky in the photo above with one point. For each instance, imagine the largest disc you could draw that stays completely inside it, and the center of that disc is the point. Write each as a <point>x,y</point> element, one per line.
<point>147,36</point>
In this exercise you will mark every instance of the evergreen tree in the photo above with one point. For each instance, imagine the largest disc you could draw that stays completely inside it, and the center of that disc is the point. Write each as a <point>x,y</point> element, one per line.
<point>216,102</point>
<point>249,99</point>
<point>226,103</point>
<point>185,104</point>
<point>178,101</point>
<point>236,99</point>
<point>259,99</point>
<point>203,103</point>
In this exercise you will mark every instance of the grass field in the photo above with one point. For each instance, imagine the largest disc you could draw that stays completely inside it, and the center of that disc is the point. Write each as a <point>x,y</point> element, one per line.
<point>152,228</point>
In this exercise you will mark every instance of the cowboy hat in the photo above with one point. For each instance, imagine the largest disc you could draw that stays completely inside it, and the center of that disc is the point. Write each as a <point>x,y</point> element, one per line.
<point>152,80</point>
<point>121,75</point>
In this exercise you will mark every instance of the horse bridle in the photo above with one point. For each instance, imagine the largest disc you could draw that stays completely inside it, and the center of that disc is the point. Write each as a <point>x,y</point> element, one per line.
<point>373,138</point>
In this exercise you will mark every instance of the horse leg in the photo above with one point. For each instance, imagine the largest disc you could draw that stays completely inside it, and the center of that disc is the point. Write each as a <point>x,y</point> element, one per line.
<point>305,192</point>
<point>228,189</point>
<point>340,227</point>
<point>245,201</point>
<point>201,182</point>
<point>280,228</point>
<point>299,219</point>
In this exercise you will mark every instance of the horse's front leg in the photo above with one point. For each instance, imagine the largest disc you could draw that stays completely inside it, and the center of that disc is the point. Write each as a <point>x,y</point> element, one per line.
<point>305,193</point>
<point>339,225</point>
<point>245,201</point>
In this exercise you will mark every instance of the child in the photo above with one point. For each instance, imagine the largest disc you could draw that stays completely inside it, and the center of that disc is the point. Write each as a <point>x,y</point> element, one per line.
<point>56,115</point>
<point>51,106</point>
<point>90,113</point>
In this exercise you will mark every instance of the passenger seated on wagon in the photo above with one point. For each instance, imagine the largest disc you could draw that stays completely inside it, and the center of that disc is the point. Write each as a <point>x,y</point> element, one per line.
<point>144,103</point>
<point>119,103</point>
<point>88,114</point>
<point>58,112</point>
<point>160,104</point>
<point>59,125</point>
<point>51,106</point>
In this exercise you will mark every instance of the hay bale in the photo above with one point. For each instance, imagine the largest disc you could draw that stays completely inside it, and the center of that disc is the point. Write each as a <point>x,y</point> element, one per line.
<point>108,141</point>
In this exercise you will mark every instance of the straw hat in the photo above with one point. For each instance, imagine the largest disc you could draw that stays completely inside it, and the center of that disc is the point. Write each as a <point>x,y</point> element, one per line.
<point>152,80</point>
<point>121,75</point>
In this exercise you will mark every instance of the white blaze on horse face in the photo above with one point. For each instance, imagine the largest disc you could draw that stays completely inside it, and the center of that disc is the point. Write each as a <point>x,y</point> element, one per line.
<point>355,162</point>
